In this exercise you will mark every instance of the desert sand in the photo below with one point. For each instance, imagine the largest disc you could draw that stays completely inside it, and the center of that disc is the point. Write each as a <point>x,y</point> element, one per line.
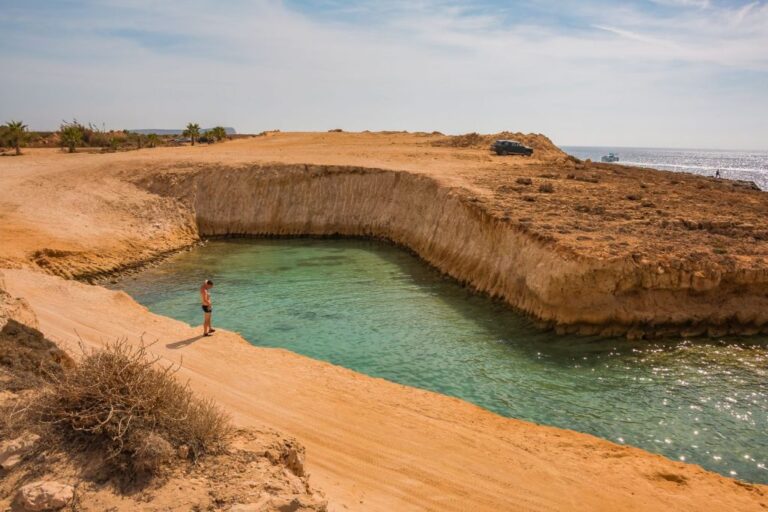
<point>371,444</point>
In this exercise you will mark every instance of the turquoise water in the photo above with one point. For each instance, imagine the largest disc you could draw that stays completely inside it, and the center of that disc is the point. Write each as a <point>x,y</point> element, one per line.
<point>379,310</point>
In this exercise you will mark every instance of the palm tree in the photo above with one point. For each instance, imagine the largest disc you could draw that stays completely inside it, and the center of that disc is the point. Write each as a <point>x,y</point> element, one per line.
<point>71,136</point>
<point>219,132</point>
<point>17,132</point>
<point>192,131</point>
<point>151,140</point>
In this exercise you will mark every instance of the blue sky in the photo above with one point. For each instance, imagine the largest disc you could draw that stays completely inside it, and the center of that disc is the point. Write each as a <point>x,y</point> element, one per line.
<point>672,73</point>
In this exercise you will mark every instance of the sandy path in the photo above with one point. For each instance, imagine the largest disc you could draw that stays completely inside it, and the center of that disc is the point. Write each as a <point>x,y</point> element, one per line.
<point>376,445</point>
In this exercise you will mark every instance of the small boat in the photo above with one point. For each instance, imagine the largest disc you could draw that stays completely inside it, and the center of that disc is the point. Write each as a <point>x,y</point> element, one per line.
<point>610,157</point>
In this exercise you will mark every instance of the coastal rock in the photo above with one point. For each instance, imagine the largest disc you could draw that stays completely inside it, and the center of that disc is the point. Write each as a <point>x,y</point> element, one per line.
<point>45,495</point>
<point>290,454</point>
<point>293,457</point>
<point>12,452</point>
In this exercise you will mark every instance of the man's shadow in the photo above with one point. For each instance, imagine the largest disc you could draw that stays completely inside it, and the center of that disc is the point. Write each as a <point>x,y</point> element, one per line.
<point>183,343</point>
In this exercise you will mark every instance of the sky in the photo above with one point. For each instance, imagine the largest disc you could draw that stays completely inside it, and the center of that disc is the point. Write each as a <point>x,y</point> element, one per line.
<point>652,73</point>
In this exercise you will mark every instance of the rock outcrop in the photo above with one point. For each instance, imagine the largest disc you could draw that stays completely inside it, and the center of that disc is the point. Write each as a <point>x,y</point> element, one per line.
<point>14,308</point>
<point>14,450</point>
<point>45,495</point>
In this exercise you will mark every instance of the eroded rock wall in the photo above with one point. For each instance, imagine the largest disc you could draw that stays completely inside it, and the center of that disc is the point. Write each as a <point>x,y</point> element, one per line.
<point>444,226</point>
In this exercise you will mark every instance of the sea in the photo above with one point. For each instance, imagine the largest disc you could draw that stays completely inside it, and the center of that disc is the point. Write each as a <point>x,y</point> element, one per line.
<point>734,165</point>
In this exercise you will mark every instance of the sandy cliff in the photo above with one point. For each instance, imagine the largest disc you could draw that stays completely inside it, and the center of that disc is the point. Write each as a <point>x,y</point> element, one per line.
<point>452,230</point>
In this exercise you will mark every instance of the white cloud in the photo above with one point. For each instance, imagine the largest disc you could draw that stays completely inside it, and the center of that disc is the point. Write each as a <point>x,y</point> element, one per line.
<point>633,78</point>
<point>628,34</point>
<point>701,4</point>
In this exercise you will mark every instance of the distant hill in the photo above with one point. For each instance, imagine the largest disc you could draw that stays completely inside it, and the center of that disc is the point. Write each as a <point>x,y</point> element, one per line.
<point>147,131</point>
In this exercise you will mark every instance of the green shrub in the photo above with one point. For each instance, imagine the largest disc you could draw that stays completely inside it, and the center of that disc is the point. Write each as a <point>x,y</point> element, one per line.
<point>71,135</point>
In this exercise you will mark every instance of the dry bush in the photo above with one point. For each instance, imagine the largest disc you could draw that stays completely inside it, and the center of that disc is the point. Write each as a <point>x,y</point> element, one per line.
<point>543,147</point>
<point>546,188</point>
<point>467,140</point>
<point>524,181</point>
<point>28,358</point>
<point>122,402</point>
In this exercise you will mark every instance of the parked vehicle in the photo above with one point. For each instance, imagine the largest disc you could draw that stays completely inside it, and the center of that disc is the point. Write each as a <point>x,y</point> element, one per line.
<point>510,147</point>
<point>610,157</point>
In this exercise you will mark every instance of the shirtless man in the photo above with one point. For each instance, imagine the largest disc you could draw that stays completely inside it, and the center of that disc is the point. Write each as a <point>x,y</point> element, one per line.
<point>205,296</point>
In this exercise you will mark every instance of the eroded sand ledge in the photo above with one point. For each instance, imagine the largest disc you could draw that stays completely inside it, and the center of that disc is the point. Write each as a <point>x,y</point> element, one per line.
<point>451,230</point>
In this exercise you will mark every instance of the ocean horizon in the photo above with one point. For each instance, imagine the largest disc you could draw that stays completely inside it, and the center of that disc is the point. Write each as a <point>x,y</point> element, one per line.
<point>732,164</point>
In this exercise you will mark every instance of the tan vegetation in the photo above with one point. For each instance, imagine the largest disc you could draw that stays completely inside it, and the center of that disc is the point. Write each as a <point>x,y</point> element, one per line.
<point>126,433</point>
<point>138,414</point>
<point>115,400</point>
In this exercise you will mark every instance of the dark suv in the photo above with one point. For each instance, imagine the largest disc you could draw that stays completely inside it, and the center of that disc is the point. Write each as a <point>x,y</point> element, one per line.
<point>510,147</point>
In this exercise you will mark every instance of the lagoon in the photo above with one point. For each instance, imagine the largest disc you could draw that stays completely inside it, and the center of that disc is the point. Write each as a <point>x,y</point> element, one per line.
<point>379,310</point>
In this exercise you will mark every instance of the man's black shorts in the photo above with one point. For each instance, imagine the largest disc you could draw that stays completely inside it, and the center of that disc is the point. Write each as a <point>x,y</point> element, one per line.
<point>207,309</point>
